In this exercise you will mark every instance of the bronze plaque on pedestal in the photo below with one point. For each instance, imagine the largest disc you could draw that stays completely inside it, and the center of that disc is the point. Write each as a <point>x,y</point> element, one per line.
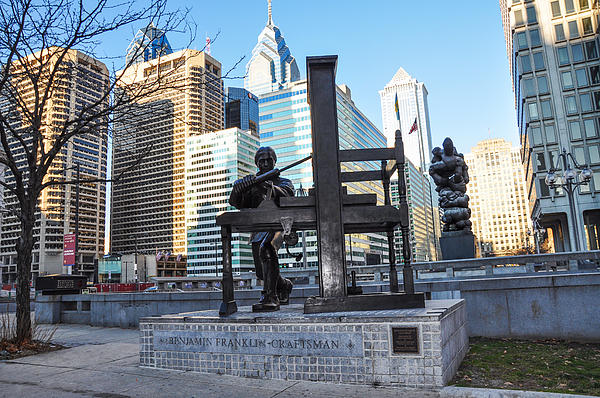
<point>405,340</point>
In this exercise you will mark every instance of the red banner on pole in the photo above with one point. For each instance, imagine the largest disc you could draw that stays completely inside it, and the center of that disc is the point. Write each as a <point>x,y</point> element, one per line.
<point>69,250</point>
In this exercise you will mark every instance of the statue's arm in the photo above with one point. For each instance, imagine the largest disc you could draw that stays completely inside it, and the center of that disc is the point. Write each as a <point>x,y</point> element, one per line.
<point>240,192</point>
<point>284,188</point>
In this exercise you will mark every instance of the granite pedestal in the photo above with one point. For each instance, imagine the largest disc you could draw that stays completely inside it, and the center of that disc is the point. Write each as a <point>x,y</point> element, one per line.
<point>410,347</point>
<point>457,244</point>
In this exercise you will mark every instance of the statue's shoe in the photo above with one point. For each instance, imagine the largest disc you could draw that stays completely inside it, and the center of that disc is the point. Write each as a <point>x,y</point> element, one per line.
<point>284,292</point>
<point>266,305</point>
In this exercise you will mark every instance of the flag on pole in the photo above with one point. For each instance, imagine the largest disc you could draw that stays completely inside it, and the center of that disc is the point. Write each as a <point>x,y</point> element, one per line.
<point>414,127</point>
<point>397,108</point>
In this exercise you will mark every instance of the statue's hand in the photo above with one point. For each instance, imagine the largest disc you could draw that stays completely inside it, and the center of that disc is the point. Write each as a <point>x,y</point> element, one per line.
<point>245,183</point>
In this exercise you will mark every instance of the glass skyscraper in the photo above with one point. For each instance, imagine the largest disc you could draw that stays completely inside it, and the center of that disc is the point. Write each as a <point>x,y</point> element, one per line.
<point>241,109</point>
<point>213,161</point>
<point>148,43</point>
<point>286,127</point>
<point>553,53</point>
<point>272,66</point>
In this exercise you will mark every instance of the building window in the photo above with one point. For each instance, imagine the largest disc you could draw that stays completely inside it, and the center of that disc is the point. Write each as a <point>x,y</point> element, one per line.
<point>594,154</point>
<point>533,111</point>
<point>547,109</point>
<point>563,56</point>
<point>519,18</point>
<point>579,154</point>
<point>534,36</point>
<point>550,133</point>
<point>522,40</point>
<point>555,9</point>
<point>587,26</point>
<point>567,80</point>
<point>595,74</point>
<point>589,125</point>
<point>540,161</point>
<point>597,100</point>
<point>544,190</point>
<point>591,50</point>
<point>569,6</point>
<point>536,135</point>
<point>553,156</point>
<point>559,31</point>
<point>538,61</point>
<point>525,63</point>
<point>573,30</point>
<point>542,82</point>
<point>581,77</point>
<point>575,130</point>
<point>531,17</point>
<point>577,52</point>
<point>571,105</point>
<point>586,102</point>
<point>528,87</point>
<point>583,5</point>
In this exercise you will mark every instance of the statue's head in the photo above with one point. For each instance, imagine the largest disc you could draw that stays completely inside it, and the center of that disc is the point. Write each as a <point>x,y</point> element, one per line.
<point>265,159</point>
<point>437,152</point>
<point>448,146</point>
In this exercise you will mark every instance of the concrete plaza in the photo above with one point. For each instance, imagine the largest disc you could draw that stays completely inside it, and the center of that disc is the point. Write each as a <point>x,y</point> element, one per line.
<point>104,362</point>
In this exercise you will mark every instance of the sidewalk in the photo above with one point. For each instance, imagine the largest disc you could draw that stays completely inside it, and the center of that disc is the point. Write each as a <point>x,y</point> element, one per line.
<point>103,362</point>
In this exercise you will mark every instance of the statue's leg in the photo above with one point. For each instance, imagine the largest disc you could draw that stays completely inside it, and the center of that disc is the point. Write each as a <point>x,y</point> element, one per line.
<point>258,267</point>
<point>284,286</point>
<point>268,256</point>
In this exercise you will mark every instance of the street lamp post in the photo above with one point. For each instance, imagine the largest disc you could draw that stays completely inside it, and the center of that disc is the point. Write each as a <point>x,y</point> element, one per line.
<point>570,183</point>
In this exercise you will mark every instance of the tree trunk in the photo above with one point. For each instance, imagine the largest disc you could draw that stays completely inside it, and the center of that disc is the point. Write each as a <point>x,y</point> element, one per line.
<point>24,257</point>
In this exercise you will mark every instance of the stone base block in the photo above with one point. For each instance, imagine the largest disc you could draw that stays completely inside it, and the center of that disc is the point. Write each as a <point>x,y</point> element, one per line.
<point>420,348</point>
<point>457,244</point>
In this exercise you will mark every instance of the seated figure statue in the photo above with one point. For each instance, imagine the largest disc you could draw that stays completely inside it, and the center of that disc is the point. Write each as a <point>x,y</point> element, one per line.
<point>246,193</point>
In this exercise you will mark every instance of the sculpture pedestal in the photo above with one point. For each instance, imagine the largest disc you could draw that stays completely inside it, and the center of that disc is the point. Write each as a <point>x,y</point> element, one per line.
<point>457,244</point>
<point>420,348</point>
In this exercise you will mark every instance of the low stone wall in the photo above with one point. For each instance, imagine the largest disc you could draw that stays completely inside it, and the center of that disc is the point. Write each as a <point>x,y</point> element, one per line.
<point>553,305</point>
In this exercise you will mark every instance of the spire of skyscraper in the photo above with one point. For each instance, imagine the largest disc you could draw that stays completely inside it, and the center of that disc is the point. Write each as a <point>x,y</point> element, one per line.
<point>270,20</point>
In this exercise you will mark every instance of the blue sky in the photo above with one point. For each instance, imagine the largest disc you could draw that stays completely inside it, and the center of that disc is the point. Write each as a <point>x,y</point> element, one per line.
<point>458,52</point>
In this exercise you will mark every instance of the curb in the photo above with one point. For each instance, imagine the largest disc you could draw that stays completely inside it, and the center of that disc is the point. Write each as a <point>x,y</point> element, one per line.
<point>467,392</point>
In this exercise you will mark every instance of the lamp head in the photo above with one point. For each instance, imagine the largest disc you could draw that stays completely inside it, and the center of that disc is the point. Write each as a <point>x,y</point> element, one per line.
<point>586,174</point>
<point>550,179</point>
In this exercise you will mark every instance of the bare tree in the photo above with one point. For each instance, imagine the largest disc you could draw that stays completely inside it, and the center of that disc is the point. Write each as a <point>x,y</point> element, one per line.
<point>38,40</point>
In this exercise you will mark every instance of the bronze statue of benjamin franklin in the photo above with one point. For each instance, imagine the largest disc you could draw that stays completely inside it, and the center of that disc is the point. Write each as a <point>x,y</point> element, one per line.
<point>247,193</point>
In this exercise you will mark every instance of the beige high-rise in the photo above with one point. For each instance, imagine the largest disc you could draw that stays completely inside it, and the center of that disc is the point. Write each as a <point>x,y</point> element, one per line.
<point>500,211</point>
<point>83,80</point>
<point>148,204</point>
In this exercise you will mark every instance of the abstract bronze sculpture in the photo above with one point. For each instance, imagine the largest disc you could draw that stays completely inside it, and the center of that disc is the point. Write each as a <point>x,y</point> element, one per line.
<point>450,174</point>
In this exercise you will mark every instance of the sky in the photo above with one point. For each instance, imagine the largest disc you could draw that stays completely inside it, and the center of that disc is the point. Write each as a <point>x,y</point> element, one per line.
<point>458,52</point>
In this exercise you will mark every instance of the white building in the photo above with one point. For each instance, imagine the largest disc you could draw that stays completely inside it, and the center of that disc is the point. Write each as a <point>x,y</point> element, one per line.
<point>412,104</point>
<point>213,161</point>
<point>271,66</point>
<point>498,198</point>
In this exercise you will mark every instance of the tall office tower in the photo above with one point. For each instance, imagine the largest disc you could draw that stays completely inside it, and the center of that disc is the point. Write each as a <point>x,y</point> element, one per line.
<point>422,197</point>
<point>412,104</point>
<point>498,198</point>
<point>213,162</point>
<point>82,81</point>
<point>285,126</point>
<point>271,67</point>
<point>148,43</point>
<point>241,109</point>
<point>553,56</point>
<point>148,205</point>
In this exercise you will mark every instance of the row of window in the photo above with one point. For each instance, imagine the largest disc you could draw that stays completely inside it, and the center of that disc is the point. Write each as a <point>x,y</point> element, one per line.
<point>588,128</point>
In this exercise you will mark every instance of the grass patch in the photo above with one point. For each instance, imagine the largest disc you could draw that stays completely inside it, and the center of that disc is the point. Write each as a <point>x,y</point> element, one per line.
<point>549,365</point>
